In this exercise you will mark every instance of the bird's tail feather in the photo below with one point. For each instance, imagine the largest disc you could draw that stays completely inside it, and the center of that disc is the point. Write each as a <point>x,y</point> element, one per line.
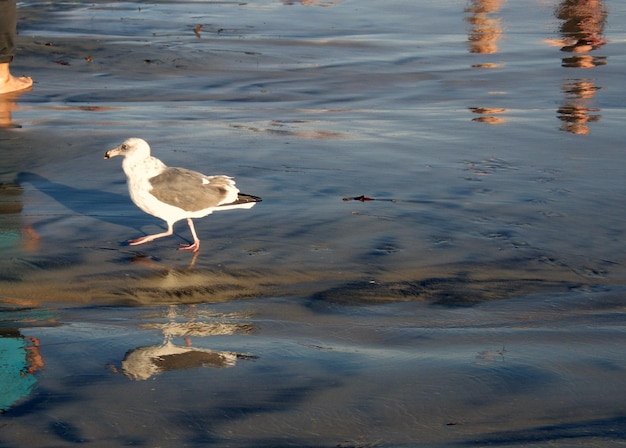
<point>243,199</point>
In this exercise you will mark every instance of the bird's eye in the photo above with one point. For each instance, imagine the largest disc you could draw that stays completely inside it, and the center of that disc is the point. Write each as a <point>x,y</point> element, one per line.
<point>124,146</point>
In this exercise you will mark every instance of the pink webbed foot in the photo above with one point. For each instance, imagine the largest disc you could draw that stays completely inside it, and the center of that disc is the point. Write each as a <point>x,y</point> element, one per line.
<point>196,242</point>
<point>190,247</point>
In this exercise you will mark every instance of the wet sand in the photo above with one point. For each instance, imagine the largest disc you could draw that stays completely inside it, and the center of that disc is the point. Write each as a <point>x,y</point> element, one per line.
<point>438,259</point>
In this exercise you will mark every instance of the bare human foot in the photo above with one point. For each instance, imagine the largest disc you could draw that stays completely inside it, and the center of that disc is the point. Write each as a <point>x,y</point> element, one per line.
<point>10,83</point>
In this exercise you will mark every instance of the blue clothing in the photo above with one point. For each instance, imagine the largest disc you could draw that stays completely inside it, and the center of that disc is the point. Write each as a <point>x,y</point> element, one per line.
<point>15,382</point>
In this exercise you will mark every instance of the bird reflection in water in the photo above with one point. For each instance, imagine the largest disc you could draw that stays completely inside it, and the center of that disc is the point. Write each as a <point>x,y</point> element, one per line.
<point>582,31</point>
<point>142,363</point>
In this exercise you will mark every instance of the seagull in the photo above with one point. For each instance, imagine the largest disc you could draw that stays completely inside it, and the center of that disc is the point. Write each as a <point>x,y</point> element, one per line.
<point>173,194</point>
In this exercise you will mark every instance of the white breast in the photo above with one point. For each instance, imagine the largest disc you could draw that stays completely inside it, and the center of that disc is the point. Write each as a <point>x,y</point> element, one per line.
<point>138,173</point>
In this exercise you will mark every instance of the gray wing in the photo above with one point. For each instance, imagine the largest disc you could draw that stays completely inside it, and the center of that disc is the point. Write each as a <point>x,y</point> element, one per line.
<point>190,190</point>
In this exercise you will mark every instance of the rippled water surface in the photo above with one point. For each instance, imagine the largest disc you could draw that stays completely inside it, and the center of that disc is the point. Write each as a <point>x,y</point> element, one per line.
<point>438,259</point>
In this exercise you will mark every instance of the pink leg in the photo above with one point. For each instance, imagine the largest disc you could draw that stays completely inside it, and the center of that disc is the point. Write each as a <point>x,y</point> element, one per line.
<point>196,242</point>
<point>148,238</point>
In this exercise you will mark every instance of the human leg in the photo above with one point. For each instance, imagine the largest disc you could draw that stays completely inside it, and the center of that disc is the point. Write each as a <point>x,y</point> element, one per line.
<point>8,20</point>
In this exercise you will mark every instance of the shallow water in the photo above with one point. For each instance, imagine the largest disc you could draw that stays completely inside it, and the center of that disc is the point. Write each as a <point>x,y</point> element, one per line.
<point>477,300</point>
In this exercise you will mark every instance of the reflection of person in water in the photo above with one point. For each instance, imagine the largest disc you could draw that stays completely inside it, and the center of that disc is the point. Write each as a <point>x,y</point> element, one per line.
<point>583,24</point>
<point>20,358</point>
<point>581,31</point>
<point>483,38</point>
<point>575,113</point>
<point>7,106</point>
<point>13,232</point>
<point>486,29</point>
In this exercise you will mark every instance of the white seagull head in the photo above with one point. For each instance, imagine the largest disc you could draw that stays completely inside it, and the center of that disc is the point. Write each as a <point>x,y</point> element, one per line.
<point>132,147</point>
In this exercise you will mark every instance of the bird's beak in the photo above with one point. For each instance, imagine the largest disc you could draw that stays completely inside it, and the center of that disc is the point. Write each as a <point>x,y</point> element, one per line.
<point>112,153</point>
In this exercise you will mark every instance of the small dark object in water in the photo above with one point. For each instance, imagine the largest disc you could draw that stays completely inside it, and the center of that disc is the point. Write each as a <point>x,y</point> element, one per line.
<point>359,198</point>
